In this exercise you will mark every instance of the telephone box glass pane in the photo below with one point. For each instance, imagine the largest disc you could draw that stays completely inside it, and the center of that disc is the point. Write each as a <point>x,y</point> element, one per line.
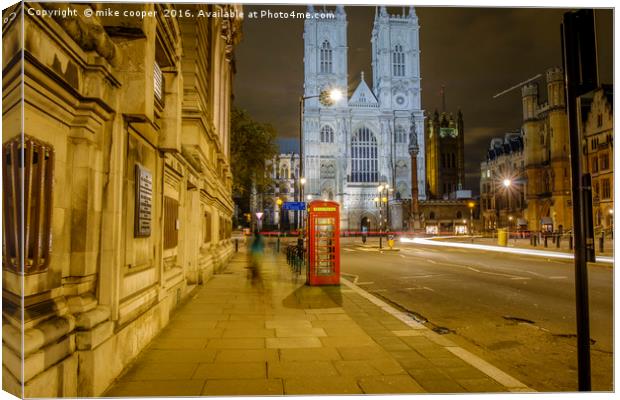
<point>325,250</point>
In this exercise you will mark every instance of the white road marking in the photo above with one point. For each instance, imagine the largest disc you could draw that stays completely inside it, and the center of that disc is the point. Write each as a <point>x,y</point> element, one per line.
<point>558,277</point>
<point>500,376</point>
<point>347,249</point>
<point>498,274</point>
<point>364,283</point>
<point>427,288</point>
<point>495,373</point>
<point>431,261</point>
<point>419,276</point>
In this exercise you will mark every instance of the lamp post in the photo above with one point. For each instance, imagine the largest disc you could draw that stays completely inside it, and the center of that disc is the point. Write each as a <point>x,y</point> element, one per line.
<point>378,204</point>
<point>302,182</point>
<point>327,98</point>
<point>471,206</point>
<point>279,203</point>
<point>507,183</point>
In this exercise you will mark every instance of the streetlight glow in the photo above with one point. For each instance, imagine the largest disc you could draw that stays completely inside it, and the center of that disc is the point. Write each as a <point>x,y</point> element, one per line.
<point>507,182</point>
<point>309,197</point>
<point>335,95</point>
<point>302,181</point>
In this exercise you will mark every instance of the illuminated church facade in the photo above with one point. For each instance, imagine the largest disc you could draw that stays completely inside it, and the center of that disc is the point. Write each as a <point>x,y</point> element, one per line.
<point>361,141</point>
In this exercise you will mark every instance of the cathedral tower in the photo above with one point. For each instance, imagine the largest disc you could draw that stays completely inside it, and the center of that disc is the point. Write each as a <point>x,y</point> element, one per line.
<point>352,147</point>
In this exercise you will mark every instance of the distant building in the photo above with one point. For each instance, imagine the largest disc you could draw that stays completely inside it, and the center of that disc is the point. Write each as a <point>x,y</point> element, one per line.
<point>445,160</point>
<point>547,163</point>
<point>503,184</point>
<point>599,136</point>
<point>284,173</point>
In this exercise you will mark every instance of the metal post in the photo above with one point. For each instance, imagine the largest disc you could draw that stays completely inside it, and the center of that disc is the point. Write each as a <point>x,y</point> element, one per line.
<point>581,76</point>
<point>301,157</point>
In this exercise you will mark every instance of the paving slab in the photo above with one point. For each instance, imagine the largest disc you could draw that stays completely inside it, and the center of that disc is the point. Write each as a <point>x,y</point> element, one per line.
<point>321,386</point>
<point>154,388</point>
<point>390,384</point>
<point>238,370</point>
<point>285,337</point>
<point>243,387</point>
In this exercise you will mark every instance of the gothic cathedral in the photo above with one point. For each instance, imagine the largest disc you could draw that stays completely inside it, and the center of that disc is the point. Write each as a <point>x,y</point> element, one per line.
<point>361,141</point>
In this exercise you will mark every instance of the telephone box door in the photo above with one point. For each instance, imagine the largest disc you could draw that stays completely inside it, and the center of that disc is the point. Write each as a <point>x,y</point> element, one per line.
<point>323,243</point>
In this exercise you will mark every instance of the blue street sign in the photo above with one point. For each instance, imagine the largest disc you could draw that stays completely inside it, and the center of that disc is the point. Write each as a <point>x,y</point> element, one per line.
<point>294,205</point>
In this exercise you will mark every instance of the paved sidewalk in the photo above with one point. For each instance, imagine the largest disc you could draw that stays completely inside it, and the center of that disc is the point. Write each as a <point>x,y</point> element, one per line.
<point>288,338</point>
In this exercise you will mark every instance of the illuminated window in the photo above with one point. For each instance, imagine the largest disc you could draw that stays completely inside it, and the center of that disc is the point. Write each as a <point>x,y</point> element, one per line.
<point>604,161</point>
<point>398,61</point>
<point>327,134</point>
<point>364,163</point>
<point>326,58</point>
<point>606,189</point>
<point>594,164</point>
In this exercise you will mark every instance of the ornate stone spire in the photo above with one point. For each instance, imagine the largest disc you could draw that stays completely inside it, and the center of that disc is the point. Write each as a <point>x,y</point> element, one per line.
<point>383,11</point>
<point>340,10</point>
<point>310,8</point>
<point>413,137</point>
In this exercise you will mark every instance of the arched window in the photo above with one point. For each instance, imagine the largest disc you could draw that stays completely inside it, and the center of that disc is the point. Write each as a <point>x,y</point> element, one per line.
<point>326,58</point>
<point>327,134</point>
<point>459,215</point>
<point>400,135</point>
<point>284,173</point>
<point>364,164</point>
<point>398,61</point>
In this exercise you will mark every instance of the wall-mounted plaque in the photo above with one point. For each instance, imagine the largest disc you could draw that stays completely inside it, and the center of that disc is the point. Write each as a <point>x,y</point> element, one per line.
<point>144,202</point>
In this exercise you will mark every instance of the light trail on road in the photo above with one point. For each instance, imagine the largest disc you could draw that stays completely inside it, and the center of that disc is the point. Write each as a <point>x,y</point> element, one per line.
<point>512,250</point>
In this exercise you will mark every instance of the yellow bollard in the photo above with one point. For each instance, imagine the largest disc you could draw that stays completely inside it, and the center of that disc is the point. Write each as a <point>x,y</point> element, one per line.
<point>502,237</point>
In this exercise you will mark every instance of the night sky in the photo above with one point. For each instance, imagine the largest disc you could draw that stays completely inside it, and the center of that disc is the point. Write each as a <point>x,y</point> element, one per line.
<point>473,52</point>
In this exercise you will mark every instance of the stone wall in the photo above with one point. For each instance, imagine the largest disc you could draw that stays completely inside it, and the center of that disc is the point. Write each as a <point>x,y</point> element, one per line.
<point>109,104</point>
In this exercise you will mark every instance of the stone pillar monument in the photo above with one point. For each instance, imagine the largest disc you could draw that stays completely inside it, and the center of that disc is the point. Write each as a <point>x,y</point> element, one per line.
<point>414,149</point>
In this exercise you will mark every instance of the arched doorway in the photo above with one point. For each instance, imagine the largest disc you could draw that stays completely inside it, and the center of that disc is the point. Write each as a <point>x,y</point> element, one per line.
<point>365,224</point>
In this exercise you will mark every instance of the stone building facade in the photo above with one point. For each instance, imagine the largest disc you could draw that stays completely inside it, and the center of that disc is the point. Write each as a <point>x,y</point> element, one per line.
<point>598,131</point>
<point>352,147</point>
<point>445,154</point>
<point>547,163</point>
<point>500,205</point>
<point>284,174</point>
<point>127,184</point>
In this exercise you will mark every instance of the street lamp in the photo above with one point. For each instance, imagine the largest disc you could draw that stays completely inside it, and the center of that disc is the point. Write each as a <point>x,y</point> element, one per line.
<point>327,98</point>
<point>279,203</point>
<point>302,182</point>
<point>471,206</point>
<point>507,184</point>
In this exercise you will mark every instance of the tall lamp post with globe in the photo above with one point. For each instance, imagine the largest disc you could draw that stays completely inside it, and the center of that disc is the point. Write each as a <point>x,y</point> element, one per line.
<point>327,98</point>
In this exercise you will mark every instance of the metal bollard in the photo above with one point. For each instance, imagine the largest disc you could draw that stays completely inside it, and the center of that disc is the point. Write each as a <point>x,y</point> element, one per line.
<point>380,242</point>
<point>546,237</point>
<point>601,244</point>
<point>557,241</point>
<point>570,242</point>
<point>236,245</point>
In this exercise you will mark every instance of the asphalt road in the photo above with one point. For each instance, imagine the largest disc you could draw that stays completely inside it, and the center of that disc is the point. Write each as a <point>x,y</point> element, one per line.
<point>515,311</point>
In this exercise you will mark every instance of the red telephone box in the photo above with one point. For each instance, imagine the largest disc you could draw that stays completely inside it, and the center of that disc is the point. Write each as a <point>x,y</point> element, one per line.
<point>323,243</point>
